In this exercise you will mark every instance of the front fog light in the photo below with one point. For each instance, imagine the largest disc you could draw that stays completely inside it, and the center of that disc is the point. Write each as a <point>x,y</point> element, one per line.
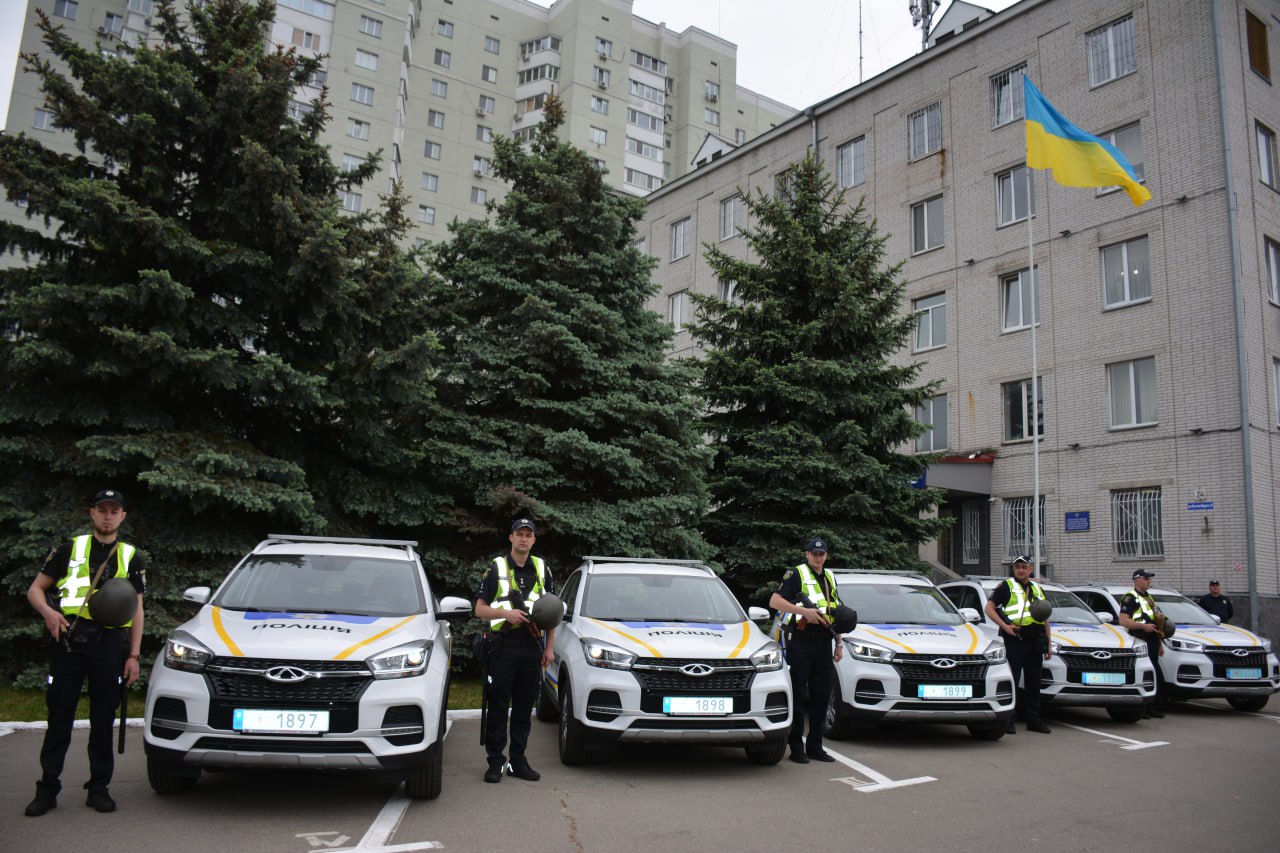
<point>402,661</point>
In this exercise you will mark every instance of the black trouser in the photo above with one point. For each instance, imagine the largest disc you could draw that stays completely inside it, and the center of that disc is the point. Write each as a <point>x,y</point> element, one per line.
<point>103,666</point>
<point>1153,642</point>
<point>515,670</point>
<point>812,670</point>
<point>1026,659</point>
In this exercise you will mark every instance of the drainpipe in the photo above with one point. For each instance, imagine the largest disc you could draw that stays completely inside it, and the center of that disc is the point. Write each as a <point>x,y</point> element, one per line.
<point>813,130</point>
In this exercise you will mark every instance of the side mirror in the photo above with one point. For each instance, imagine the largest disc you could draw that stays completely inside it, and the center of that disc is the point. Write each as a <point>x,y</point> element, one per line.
<point>1105,617</point>
<point>454,607</point>
<point>971,615</point>
<point>1217,620</point>
<point>758,614</point>
<point>196,594</point>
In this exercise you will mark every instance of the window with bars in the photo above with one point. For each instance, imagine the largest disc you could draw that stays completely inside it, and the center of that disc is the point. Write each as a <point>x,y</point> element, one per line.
<point>971,534</point>
<point>1019,530</point>
<point>1136,522</point>
<point>1111,51</point>
<point>1007,96</point>
<point>1125,277</point>
<point>924,131</point>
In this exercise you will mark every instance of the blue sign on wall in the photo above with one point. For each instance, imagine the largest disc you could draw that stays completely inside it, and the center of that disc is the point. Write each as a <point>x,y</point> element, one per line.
<point>1077,521</point>
<point>1192,506</point>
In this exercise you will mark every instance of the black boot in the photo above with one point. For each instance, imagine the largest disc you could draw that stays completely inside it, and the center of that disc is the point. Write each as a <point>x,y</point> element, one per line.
<point>494,773</point>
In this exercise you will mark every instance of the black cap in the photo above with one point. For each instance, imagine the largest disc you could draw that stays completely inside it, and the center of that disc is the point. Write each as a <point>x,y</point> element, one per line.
<point>108,496</point>
<point>1021,558</point>
<point>817,546</point>
<point>1214,583</point>
<point>523,522</point>
<point>1142,573</point>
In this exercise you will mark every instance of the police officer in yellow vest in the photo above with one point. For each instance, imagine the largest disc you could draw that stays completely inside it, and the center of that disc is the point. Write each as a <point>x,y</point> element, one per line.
<point>1138,615</point>
<point>1026,640</point>
<point>106,656</point>
<point>807,598</point>
<point>518,651</point>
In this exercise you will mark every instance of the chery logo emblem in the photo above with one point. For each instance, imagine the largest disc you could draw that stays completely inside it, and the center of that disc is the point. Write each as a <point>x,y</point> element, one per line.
<point>286,674</point>
<point>697,670</point>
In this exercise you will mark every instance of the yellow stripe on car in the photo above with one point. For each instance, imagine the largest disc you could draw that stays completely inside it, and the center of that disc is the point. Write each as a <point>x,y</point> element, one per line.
<point>345,653</point>
<point>890,640</point>
<point>746,632</point>
<point>636,640</point>
<point>216,616</point>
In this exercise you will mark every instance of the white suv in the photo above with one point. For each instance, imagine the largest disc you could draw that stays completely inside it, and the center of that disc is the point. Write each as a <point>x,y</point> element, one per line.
<point>314,653</point>
<point>660,651</point>
<point>1093,663</point>
<point>915,658</point>
<point>1202,658</point>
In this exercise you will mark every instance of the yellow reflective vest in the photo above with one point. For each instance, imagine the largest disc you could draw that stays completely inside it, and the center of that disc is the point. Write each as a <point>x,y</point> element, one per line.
<point>1017,610</point>
<point>812,590</point>
<point>507,583</point>
<point>74,586</point>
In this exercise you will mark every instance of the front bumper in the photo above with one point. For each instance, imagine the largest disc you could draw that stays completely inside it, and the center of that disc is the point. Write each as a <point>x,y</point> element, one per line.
<point>1206,674</point>
<point>1063,676</point>
<point>879,692</point>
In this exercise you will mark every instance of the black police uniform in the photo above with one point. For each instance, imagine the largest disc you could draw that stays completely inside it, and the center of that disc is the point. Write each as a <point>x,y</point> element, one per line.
<point>515,667</point>
<point>102,663</point>
<point>1025,651</point>
<point>811,665</point>
<point>1130,606</point>
<point>1218,605</point>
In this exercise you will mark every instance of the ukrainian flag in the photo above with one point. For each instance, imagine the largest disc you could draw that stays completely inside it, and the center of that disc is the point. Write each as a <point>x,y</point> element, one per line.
<point>1078,159</point>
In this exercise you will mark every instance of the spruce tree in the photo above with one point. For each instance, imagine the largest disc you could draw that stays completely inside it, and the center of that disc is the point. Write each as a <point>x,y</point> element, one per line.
<point>555,395</point>
<point>200,325</point>
<point>806,411</point>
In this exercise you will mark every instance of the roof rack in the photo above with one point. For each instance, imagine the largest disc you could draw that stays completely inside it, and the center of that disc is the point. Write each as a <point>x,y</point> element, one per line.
<point>340,540</point>
<point>590,560</point>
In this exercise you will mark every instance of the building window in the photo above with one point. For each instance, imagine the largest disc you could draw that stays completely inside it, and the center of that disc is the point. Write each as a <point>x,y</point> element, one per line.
<point>545,43</point>
<point>479,195</point>
<point>1125,277</point>
<point>114,23</point>
<point>298,110</point>
<point>1272,249</point>
<point>643,180</point>
<point>599,105</point>
<point>1007,96</point>
<point>647,92</point>
<point>357,129</point>
<point>350,201</point>
<point>65,9</point>
<point>1111,51</point>
<point>144,7</point>
<point>971,539</point>
<point>362,94</point>
<point>1128,140</point>
<point>644,149</point>
<point>1136,523</point>
<point>430,182</point>
<point>439,88</point>
<point>488,74</point>
<point>931,321</point>
<point>1019,297</point>
<point>932,414</point>
<point>318,78</point>
<point>444,28</point>
<point>678,309</point>
<point>1275,369</point>
<point>644,120</point>
<point>435,118</point>
<point>1011,196</point>
<point>649,63</point>
<point>351,162</point>
<point>443,58</point>
<point>739,137</point>
<point>851,163</point>
<point>528,105</point>
<point>598,135</point>
<point>600,75</point>
<point>1267,155</point>
<point>926,225</point>
<point>604,47</point>
<point>487,103</point>
<point>484,134</point>
<point>732,210</point>
<point>711,117</point>
<point>729,292</point>
<point>304,39</point>
<point>711,91</point>
<point>480,165</point>
<point>431,150</point>
<point>680,238</point>
<point>924,131</point>
<point>316,8</point>
<point>1017,409</point>
<point>365,59</point>
<point>1259,52</point>
<point>42,119</point>
<point>426,215</point>
<point>1133,392</point>
<point>371,26</point>
<point>1019,535</point>
<point>492,45</point>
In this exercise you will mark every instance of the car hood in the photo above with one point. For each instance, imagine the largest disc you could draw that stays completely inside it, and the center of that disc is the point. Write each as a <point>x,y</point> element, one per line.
<point>963,639</point>
<point>659,639</point>
<point>1091,636</point>
<point>1218,635</point>
<point>303,636</point>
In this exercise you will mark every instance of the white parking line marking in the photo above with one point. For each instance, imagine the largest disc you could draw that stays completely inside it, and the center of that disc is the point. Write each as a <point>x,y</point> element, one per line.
<point>1132,744</point>
<point>874,781</point>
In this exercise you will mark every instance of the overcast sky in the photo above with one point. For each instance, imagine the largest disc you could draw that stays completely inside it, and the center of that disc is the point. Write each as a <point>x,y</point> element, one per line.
<point>799,57</point>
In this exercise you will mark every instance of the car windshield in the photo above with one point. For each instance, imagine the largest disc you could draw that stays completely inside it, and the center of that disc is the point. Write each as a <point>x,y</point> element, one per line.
<point>1070,610</point>
<point>899,604</point>
<point>1181,609</point>
<point>654,597</point>
<point>313,583</point>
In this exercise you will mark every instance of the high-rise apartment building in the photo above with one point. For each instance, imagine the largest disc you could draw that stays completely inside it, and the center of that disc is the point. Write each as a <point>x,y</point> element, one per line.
<point>429,83</point>
<point>1158,327</point>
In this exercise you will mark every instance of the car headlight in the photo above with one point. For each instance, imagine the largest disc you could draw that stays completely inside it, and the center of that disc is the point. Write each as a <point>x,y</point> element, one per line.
<point>404,661</point>
<point>1054,648</point>
<point>868,652</point>
<point>1180,645</point>
<point>995,652</point>
<point>185,652</point>
<point>769,658</point>
<point>602,654</point>
<point>1266,645</point>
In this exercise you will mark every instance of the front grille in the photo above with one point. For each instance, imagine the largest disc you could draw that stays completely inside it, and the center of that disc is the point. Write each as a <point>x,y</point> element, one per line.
<point>292,745</point>
<point>920,669</point>
<point>664,674</point>
<point>242,679</point>
<point>1224,660</point>
<point>1080,660</point>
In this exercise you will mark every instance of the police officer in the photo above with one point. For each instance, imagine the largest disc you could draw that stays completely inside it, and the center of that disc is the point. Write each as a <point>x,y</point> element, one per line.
<point>1216,603</point>
<point>106,656</point>
<point>518,651</point>
<point>1138,615</point>
<point>807,597</point>
<point>1026,639</point>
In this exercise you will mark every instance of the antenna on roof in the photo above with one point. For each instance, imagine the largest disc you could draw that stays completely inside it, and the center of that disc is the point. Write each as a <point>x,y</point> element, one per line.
<point>922,16</point>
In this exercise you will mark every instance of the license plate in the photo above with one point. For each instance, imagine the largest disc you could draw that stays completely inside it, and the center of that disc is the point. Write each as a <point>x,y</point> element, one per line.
<point>945,691</point>
<point>1256,672</point>
<point>1102,678</point>
<point>697,704</point>
<point>274,722</point>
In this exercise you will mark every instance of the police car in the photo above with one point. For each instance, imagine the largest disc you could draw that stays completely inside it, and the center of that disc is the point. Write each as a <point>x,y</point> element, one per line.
<point>1202,658</point>
<point>915,658</point>
<point>659,651</point>
<point>1093,663</point>
<point>314,653</point>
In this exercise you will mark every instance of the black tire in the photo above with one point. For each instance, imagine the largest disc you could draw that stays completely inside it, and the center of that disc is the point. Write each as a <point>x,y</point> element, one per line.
<point>573,750</point>
<point>769,754</point>
<point>546,710</point>
<point>426,782</point>
<point>1248,703</point>
<point>839,726</point>
<point>1125,713</point>
<point>988,731</point>
<point>166,777</point>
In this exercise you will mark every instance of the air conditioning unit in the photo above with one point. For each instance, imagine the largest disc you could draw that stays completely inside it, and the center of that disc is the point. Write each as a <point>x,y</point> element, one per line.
<point>713,98</point>
<point>604,54</point>
<point>517,118</point>
<point>602,85</point>
<point>479,173</point>
<point>480,112</point>
<point>102,31</point>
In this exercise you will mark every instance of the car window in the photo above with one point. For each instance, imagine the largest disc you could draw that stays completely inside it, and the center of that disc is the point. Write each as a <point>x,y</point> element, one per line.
<point>1181,609</point>
<point>324,584</point>
<point>1069,609</point>
<point>955,594</point>
<point>667,598</point>
<point>569,592</point>
<point>888,603</point>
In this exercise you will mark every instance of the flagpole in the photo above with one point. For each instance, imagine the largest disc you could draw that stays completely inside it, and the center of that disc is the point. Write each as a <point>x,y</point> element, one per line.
<point>1035,378</point>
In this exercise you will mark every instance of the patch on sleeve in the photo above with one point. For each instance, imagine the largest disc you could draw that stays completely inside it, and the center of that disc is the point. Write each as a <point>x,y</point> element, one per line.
<point>788,575</point>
